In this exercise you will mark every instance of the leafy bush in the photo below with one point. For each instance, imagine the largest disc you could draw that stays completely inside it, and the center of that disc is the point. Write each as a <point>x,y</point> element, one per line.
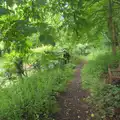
<point>48,59</point>
<point>14,63</point>
<point>93,71</point>
<point>80,52</point>
<point>33,97</point>
<point>106,100</point>
<point>82,49</point>
<point>103,97</point>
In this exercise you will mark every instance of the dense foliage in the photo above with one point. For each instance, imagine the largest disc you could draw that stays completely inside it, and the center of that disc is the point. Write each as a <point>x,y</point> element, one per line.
<point>94,74</point>
<point>88,21</point>
<point>39,36</point>
<point>33,97</point>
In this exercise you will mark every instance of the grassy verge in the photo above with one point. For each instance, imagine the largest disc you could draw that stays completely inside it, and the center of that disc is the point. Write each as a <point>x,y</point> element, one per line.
<point>33,98</point>
<point>104,97</point>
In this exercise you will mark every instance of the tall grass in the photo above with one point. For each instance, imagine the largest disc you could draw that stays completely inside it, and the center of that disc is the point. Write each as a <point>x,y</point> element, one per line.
<point>33,98</point>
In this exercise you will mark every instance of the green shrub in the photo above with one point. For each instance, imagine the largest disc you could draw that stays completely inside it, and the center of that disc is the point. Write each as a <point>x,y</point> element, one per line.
<point>103,97</point>
<point>93,71</point>
<point>82,49</point>
<point>33,98</point>
<point>106,100</point>
<point>14,64</point>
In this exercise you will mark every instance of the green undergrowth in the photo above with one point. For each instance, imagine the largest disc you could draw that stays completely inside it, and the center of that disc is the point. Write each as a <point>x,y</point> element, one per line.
<point>106,101</point>
<point>104,97</point>
<point>92,71</point>
<point>33,98</point>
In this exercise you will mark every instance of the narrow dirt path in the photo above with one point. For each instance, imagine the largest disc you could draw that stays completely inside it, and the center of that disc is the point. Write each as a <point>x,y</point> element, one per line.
<point>73,106</point>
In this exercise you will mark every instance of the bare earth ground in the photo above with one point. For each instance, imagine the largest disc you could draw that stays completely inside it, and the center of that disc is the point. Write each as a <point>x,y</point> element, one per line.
<point>72,103</point>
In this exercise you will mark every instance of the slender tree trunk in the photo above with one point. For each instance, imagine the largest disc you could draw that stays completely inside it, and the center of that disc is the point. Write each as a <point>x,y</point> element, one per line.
<point>111,27</point>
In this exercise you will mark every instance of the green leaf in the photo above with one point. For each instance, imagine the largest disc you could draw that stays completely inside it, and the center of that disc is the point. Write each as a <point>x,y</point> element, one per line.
<point>19,1</point>
<point>25,28</point>
<point>41,2</point>
<point>4,11</point>
<point>20,22</point>
<point>29,30</point>
<point>2,22</point>
<point>10,2</point>
<point>42,27</point>
<point>47,39</point>
<point>80,3</point>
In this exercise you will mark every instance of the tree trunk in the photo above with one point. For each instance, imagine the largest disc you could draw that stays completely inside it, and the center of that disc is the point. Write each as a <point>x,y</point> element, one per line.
<point>111,27</point>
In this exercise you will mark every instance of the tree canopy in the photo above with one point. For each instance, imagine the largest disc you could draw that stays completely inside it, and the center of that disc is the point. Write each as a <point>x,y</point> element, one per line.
<point>81,20</point>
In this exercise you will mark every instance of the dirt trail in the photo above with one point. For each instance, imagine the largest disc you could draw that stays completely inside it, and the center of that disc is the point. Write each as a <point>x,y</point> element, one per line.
<point>73,106</point>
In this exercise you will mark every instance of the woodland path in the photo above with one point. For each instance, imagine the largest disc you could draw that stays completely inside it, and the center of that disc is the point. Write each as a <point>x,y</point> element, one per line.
<point>72,103</point>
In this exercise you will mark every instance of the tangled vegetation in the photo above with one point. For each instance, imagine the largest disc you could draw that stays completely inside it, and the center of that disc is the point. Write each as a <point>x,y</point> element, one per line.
<point>34,97</point>
<point>104,97</point>
<point>41,41</point>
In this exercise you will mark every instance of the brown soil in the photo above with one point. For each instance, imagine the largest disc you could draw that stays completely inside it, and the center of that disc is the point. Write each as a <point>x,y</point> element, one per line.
<point>72,103</point>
